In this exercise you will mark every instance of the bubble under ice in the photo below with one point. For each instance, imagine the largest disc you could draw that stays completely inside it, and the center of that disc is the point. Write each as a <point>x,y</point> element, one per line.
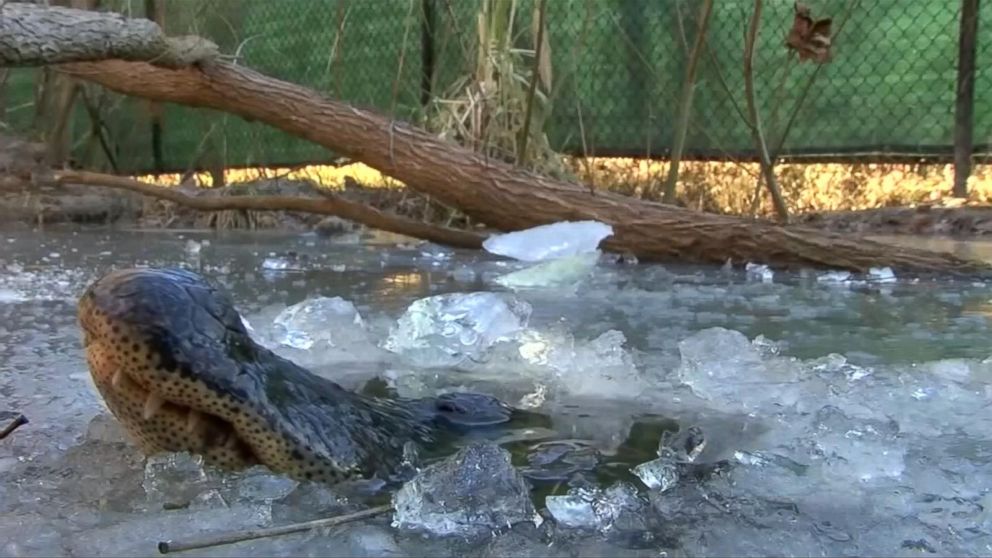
<point>873,438</point>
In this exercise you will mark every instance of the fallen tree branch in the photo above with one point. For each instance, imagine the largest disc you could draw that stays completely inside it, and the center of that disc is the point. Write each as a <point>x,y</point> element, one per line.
<point>489,190</point>
<point>166,547</point>
<point>36,35</point>
<point>329,204</point>
<point>497,193</point>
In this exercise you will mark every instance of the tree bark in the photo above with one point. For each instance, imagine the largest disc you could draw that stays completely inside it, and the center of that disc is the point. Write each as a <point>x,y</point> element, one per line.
<point>497,193</point>
<point>34,35</point>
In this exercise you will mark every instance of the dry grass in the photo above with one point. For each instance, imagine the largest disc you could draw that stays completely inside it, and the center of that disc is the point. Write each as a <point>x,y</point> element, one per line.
<point>709,186</point>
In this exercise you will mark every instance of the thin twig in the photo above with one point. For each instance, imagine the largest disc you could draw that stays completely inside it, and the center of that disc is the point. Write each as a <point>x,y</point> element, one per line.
<point>231,537</point>
<point>329,205</point>
<point>752,108</point>
<point>399,69</point>
<point>19,421</point>
<point>685,104</point>
<point>534,77</point>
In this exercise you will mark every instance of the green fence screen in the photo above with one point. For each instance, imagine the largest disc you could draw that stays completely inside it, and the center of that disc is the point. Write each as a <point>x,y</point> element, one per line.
<point>618,68</point>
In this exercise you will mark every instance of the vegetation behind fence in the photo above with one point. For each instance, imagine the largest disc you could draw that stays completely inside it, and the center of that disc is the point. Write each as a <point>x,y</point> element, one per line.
<point>617,69</point>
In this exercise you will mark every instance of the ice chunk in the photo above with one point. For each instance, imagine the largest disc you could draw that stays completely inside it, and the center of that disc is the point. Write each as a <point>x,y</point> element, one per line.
<point>673,452</point>
<point>835,364</point>
<point>449,329</point>
<point>291,261</point>
<point>193,248</point>
<point>328,321</point>
<point>658,474</point>
<point>602,366</point>
<point>862,449</point>
<point>369,541</point>
<point>435,254</point>
<point>723,365</point>
<point>548,242</point>
<point>881,275</point>
<point>473,492</point>
<point>835,277</point>
<point>593,508</point>
<point>260,485</point>
<point>759,271</point>
<point>175,479</point>
<point>564,271</point>
<point>276,264</point>
<point>463,274</point>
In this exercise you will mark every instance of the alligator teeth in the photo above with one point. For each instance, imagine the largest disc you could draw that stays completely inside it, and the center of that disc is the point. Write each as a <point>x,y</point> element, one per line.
<point>118,379</point>
<point>152,404</point>
<point>192,421</point>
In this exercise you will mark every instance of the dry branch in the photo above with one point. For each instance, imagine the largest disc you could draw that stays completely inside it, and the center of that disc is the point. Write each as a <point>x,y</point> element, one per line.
<point>327,205</point>
<point>498,193</point>
<point>15,423</point>
<point>36,35</point>
<point>166,547</point>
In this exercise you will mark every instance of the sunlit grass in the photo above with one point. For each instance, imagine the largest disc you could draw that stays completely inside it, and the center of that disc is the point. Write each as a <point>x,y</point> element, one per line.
<point>712,186</point>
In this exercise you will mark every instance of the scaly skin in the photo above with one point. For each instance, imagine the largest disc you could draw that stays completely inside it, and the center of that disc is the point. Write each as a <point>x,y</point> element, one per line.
<point>172,360</point>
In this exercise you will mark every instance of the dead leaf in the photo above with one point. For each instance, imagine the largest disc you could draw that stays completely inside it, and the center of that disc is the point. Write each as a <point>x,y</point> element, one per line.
<point>809,37</point>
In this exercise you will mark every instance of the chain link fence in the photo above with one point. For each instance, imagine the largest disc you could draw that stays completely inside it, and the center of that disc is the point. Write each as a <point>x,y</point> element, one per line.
<point>618,70</point>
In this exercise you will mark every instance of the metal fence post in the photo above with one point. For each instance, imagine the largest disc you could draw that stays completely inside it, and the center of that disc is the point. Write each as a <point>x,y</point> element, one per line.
<point>964,103</point>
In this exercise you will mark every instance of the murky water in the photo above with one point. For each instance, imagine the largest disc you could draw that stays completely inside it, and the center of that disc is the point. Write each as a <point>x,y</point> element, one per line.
<point>855,418</point>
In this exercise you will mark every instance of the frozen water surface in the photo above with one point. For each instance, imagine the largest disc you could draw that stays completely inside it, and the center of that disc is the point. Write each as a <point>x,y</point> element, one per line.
<point>844,415</point>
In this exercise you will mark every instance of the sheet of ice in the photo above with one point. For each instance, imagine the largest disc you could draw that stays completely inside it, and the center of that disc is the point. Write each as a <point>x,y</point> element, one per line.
<point>565,271</point>
<point>548,242</point>
<point>880,445</point>
<point>450,329</point>
<point>319,323</point>
<point>20,284</point>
